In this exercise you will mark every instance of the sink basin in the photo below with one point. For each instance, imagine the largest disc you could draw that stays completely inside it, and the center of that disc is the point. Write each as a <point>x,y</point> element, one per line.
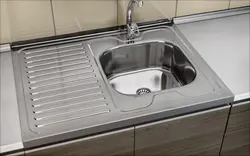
<point>158,70</point>
<point>137,69</point>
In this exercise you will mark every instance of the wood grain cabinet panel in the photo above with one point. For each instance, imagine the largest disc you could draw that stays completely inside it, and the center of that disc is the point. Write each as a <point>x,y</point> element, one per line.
<point>109,144</point>
<point>237,137</point>
<point>195,134</point>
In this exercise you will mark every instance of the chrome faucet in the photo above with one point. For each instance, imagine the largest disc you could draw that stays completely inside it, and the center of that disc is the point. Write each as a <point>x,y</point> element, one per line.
<point>132,28</point>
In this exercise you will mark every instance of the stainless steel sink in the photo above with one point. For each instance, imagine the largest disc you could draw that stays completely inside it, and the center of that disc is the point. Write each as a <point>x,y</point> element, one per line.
<point>73,89</point>
<point>138,69</point>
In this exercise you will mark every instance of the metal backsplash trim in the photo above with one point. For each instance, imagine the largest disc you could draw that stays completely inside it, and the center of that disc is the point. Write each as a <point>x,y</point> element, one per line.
<point>211,15</point>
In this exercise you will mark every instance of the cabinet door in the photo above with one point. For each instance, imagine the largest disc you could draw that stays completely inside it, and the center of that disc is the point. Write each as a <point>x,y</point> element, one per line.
<point>195,134</point>
<point>114,143</point>
<point>237,137</point>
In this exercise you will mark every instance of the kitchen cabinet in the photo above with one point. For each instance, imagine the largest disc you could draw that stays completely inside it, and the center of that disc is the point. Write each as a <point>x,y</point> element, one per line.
<point>195,134</point>
<point>199,133</point>
<point>237,137</point>
<point>114,143</point>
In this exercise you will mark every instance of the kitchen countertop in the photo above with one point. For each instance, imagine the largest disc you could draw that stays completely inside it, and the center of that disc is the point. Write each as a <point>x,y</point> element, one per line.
<point>224,45</point>
<point>9,105</point>
<point>10,124</point>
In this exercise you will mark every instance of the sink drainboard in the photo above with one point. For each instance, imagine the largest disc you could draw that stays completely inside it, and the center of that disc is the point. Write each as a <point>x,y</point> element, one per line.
<point>60,85</point>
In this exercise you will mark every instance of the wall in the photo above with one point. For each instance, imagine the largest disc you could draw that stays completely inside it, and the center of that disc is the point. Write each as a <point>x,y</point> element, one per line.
<point>28,19</point>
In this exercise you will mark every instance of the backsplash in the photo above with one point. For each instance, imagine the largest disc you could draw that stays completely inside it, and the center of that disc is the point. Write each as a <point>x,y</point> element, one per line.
<point>28,19</point>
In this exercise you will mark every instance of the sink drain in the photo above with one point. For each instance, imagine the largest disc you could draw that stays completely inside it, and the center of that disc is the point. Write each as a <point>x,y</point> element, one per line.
<point>142,91</point>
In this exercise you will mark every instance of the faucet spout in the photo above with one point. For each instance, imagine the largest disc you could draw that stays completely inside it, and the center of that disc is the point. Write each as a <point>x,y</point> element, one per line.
<point>132,29</point>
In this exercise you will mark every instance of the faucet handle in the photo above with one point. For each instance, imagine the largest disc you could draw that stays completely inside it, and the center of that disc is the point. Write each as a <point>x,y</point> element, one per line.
<point>140,3</point>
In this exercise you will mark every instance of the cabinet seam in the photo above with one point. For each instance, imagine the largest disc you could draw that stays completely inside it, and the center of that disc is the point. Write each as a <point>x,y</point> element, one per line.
<point>134,143</point>
<point>224,134</point>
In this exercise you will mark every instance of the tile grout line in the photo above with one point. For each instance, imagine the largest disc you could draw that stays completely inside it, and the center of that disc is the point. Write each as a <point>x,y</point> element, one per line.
<point>229,4</point>
<point>53,17</point>
<point>176,5</point>
<point>117,13</point>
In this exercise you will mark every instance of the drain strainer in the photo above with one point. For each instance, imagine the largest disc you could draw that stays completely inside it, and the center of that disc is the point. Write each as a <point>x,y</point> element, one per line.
<point>142,91</point>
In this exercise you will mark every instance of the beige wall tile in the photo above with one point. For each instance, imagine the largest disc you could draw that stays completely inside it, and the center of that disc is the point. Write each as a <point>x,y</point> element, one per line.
<point>29,19</point>
<point>152,10</point>
<point>239,3</point>
<point>186,7</point>
<point>79,15</point>
<point>4,24</point>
